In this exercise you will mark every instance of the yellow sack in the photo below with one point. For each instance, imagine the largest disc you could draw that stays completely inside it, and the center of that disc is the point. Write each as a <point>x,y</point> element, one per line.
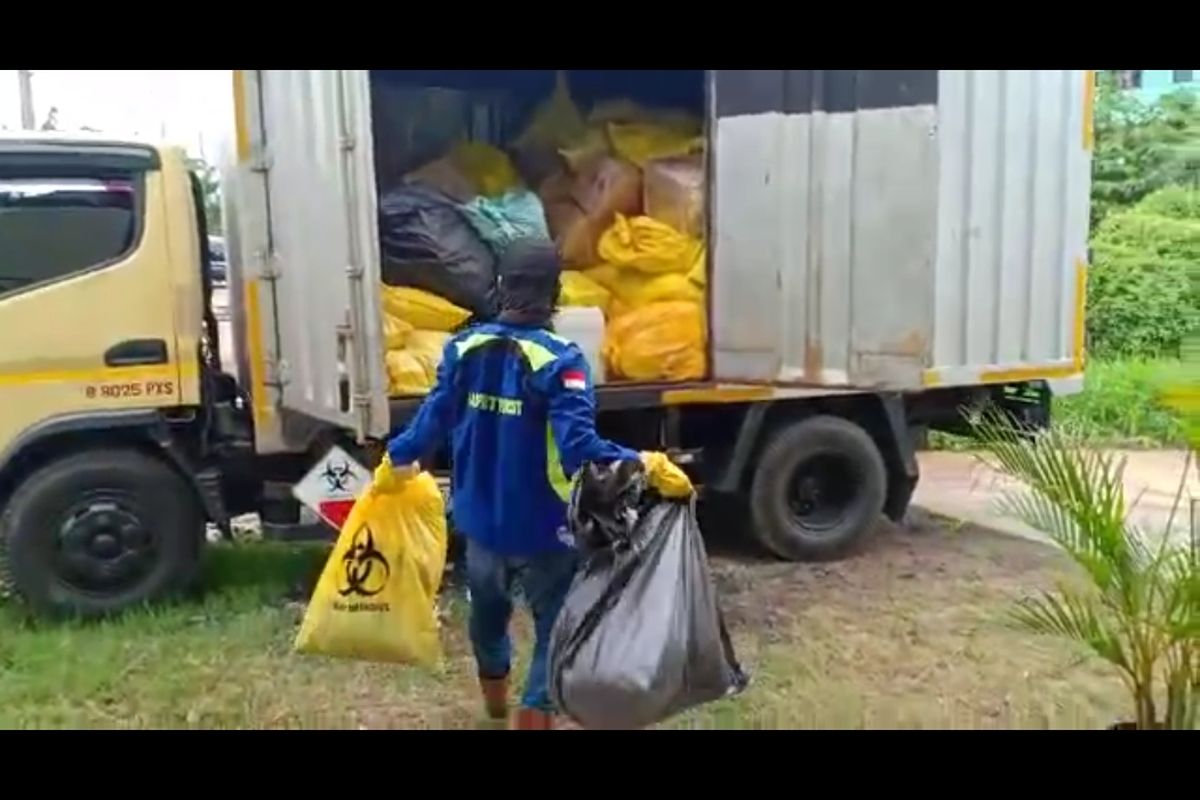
<point>606,275</point>
<point>422,309</point>
<point>376,598</point>
<point>661,341</point>
<point>637,289</point>
<point>591,148</point>
<point>413,369</point>
<point>487,167</point>
<point>579,290</point>
<point>698,274</point>
<point>643,142</point>
<point>407,374</point>
<point>645,244</point>
<point>395,331</point>
<point>557,122</point>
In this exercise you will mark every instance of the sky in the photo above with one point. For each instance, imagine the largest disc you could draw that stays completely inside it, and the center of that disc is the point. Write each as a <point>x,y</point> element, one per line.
<point>193,108</point>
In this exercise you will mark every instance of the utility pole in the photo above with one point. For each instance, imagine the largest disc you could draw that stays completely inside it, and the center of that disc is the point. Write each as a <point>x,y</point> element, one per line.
<point>25,86</point>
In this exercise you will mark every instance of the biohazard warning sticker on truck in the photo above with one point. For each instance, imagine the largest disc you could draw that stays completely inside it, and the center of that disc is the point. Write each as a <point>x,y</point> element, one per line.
<point>331,487</point>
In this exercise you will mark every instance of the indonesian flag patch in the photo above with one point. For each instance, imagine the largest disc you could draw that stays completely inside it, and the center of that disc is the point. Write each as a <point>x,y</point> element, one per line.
<point>574,379</point>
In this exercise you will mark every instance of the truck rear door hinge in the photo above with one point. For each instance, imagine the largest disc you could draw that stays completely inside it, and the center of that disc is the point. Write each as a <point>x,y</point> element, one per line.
<point>267,265</point>
<point>277,373</point>
<point>260,161</point>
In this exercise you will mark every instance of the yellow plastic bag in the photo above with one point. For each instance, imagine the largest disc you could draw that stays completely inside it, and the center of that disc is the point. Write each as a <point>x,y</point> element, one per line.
<point>376,598</point>
<point>422,309</point>
<point>412,370</point>
<point>643,142</point>
<point>627,110</point>
<point>637,289</point>
<point>617,308</point>
<point>395,331</point>
<point>698,274</point>
<point>579,290</point>
<point>648,245</point>
<point>487,167</point>
<point>605,274</point>
<point>591,148</point>
<point>557,122</point>
<point>661,341</point>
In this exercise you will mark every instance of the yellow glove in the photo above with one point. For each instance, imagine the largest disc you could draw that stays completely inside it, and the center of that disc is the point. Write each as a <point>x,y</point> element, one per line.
<point>388,478</point>
<point>665,476</point>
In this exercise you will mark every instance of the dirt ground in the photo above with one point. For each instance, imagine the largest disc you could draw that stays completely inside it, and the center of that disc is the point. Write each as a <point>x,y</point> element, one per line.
<point>910,632</point>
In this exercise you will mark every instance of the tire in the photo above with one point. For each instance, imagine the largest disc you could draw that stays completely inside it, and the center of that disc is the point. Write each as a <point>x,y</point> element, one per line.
<point>100,531</point>
<point>819,486</point>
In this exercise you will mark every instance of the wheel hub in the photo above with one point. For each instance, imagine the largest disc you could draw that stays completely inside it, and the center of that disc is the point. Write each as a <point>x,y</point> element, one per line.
<point>103,545</point>
<point>821,491</point>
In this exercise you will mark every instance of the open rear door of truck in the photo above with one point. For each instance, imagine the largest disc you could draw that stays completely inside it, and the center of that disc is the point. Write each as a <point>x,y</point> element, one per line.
<point>309,150</point>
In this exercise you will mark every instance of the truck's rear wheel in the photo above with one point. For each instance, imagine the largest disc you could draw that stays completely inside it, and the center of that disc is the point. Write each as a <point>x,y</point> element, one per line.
<point>819,486</point>
<point>99,531</point>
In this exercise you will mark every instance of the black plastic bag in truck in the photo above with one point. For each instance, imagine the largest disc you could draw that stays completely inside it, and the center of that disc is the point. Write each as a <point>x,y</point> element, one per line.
<point>427,243</point>
<point>640,636</point>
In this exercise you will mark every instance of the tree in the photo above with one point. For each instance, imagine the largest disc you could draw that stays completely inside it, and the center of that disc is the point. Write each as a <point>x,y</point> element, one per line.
<point>1143,292</point>
<point>210,187</point>
<point>1141,147</point>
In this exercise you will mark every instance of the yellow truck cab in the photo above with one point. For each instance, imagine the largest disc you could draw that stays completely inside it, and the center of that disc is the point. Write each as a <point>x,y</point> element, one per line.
<point>108,395</point>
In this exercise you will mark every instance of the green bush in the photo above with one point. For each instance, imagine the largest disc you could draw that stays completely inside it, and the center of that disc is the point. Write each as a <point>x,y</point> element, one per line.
<point>1175,202</point>
<point>1143,292</point>
<point>1122,404</point>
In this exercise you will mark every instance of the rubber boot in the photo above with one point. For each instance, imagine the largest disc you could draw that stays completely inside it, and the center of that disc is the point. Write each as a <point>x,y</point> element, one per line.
<point>495,697</point>
<point>533,719</point>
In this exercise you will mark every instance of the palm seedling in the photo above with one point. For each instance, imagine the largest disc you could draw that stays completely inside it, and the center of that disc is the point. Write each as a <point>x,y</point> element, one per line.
<point>1139,608</point>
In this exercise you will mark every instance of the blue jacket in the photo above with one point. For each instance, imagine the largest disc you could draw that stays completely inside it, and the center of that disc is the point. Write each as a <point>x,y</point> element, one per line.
<point>520,410</point>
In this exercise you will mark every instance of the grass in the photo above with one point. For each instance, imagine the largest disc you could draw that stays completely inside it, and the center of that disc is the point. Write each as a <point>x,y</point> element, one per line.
<point>1120,406</point>
<point>908,634</point>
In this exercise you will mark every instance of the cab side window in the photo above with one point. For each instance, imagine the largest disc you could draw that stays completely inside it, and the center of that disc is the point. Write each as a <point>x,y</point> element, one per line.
<point>54,227</point>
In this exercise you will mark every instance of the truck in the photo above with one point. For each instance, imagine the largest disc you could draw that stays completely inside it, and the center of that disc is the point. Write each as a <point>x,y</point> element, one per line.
<point>885,249</point>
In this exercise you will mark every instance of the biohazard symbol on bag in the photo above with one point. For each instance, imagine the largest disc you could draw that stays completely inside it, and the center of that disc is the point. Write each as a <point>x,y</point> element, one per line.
<point>366,570</point>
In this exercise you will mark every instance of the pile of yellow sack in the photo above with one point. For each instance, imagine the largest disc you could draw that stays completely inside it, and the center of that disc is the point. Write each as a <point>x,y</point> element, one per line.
<point>622,192</point>
<point>627,213</point>
<point>416,327</point>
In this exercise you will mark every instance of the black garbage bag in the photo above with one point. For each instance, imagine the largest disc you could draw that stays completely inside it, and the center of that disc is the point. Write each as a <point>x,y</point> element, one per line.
<point>427,243</point>
<point>640,637</point>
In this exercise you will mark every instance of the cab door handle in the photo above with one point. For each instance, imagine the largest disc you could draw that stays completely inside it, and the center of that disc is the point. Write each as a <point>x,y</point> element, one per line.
<point>135,352</point>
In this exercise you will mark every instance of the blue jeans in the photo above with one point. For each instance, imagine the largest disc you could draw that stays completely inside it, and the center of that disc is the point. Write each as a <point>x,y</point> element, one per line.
<point>544,581</point>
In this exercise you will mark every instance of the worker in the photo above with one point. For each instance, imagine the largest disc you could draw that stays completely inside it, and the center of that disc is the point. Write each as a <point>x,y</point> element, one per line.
<point>517,405</point>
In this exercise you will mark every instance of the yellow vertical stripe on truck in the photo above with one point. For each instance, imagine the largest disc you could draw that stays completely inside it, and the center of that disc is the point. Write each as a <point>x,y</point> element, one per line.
<point>1079,329</point>
<point>241,129</point>
<point>1089,108</point>
<point>258,362</point>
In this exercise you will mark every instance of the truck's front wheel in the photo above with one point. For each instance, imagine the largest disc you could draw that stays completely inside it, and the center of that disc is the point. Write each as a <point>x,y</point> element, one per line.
<point>99,531</point>
<point>819,486</point>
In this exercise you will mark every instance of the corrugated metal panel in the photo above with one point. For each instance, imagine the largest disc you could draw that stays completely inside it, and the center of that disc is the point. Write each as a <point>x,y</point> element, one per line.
<point>1012,221</point>
<point>324,245</point>
<point>904,245</point>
